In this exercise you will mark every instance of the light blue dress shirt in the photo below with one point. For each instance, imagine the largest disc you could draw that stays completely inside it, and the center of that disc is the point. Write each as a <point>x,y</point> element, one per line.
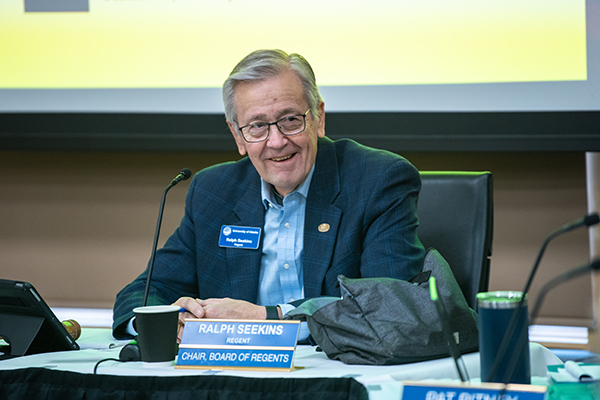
<point>281,279</point>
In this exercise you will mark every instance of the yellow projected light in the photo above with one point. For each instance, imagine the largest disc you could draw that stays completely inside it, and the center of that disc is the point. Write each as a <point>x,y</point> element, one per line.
<point>193,43</point>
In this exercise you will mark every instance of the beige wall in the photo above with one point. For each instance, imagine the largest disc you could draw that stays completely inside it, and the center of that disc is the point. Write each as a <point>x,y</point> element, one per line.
<point>79,226</point>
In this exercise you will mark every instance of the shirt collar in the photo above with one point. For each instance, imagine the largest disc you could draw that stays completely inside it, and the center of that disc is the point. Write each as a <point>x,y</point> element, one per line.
<point>266,189</point>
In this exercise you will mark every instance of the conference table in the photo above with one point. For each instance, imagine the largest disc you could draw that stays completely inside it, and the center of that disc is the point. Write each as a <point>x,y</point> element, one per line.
<point>70,375</point>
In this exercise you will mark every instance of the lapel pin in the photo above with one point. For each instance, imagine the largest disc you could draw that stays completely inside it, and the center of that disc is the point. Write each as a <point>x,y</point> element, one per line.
<point>324,227</point>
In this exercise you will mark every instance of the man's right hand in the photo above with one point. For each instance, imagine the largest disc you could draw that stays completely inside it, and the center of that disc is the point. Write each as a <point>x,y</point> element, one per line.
<point>193,310</point>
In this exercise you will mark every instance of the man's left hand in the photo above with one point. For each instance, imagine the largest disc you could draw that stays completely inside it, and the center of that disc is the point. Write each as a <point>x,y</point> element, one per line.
<point>227,308</point>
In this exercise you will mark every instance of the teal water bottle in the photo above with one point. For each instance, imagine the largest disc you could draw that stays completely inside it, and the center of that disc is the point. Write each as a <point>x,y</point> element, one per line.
<point>495,312</point>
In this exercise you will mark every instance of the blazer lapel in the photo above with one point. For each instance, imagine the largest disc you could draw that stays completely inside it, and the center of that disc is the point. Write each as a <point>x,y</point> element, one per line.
<point>322,219</point>
<point>244,264</point>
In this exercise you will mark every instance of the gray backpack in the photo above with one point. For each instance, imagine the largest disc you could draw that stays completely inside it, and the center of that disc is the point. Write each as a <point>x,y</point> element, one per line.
<point>384,321</point>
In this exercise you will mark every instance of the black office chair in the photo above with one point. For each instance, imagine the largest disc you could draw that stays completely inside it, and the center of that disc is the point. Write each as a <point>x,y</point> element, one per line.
<point>456,218</point>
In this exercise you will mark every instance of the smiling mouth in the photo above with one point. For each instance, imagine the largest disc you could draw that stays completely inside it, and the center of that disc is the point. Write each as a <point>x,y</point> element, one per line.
<point>279,159</point>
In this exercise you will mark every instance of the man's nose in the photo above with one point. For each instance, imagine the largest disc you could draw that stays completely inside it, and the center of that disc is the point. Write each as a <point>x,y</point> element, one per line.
<point>276,139</point>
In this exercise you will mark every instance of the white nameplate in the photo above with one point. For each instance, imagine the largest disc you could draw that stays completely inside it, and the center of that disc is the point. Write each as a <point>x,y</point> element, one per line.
<point>481,391</point>
<point>238,344</point>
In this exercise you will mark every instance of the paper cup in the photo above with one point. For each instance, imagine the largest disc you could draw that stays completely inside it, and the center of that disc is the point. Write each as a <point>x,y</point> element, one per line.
<point>157,332</point>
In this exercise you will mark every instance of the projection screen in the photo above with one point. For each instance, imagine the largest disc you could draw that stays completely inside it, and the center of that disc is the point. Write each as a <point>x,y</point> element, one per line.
<point>428,74</point>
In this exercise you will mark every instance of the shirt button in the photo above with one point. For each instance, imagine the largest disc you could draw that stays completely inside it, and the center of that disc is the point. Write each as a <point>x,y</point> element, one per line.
<point>287,224</point>
<point>286,266</point>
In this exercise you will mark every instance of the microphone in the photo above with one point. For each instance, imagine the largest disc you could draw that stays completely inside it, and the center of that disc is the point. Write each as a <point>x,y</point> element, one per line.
<point>183,175</point>
<point>588,220</point>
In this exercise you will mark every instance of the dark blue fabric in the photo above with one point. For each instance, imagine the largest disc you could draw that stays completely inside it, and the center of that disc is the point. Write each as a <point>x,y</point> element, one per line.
<point>367,196</point>
<point>47,384</point>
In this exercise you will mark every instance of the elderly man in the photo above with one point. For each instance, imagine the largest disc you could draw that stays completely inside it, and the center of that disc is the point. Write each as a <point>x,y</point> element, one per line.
<point>318,208</point>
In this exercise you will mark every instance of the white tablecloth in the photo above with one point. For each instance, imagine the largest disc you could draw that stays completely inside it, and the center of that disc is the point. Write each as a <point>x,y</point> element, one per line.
<point>382,382</point>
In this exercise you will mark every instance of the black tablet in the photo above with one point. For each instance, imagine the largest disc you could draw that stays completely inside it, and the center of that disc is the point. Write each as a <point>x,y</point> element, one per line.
<point>27,324</point>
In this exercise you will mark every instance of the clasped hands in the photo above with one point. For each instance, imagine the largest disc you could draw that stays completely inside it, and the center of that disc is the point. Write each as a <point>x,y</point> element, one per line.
<point>225,308</point>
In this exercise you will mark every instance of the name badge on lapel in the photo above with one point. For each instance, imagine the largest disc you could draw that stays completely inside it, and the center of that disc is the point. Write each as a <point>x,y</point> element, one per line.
<point>239,237</point>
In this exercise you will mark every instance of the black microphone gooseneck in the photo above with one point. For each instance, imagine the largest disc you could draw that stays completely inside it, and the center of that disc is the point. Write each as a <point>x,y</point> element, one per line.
<point>588,220</point>
<point>562,278</point>
<point>182,176</point>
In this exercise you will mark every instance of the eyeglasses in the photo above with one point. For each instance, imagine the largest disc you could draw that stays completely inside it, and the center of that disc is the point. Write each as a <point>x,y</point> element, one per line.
<point>288,126</point>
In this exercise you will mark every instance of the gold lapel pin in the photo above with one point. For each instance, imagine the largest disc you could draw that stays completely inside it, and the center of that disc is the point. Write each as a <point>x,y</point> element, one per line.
<point>324,227</point>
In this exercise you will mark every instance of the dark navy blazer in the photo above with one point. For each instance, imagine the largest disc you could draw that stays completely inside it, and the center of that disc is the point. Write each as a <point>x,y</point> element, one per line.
<point>367,196</point>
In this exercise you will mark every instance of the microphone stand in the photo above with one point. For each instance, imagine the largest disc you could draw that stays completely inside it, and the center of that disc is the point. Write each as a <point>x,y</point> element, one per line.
<point>564,277</point>
<point>183,175</point>
<point>589,220</point>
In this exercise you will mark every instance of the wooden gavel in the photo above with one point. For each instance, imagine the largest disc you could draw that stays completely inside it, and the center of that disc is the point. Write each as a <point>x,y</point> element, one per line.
<point>73,328</point>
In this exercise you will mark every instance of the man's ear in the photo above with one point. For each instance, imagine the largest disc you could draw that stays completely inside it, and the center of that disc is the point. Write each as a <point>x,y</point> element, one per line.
<point>321,131</point>
<point>239,140</point>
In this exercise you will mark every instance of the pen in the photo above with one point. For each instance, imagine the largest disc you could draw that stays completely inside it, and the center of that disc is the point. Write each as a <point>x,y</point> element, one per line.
<point>447,330</point>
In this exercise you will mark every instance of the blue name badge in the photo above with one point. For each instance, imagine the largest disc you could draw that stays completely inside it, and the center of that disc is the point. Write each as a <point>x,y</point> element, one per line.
<point>238,344</point>
<point>239,237</point>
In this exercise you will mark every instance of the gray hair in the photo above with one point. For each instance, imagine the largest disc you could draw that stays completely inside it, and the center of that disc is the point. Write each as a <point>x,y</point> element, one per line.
<point>263,64</point>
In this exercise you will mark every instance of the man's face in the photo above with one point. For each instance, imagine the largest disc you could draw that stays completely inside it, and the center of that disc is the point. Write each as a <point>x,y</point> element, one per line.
<point>283,161</point>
